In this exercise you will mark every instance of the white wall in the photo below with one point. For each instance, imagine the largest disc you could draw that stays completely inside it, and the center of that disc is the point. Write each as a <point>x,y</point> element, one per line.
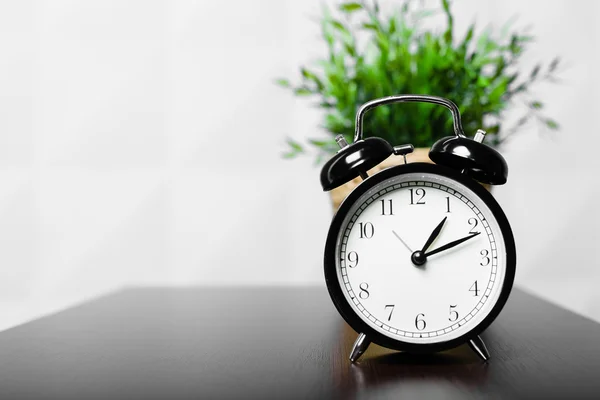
<point>140,143</point>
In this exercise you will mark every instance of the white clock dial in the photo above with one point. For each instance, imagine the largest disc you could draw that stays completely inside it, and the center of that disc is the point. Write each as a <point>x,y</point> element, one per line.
<point>453,291</point>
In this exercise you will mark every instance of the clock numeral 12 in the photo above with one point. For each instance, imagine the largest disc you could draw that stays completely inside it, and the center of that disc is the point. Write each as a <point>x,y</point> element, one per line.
<point>474,289</point>
<point>416,193</point>
<point>366,230</point>
<point>384,208</point>
<point>448,204</point>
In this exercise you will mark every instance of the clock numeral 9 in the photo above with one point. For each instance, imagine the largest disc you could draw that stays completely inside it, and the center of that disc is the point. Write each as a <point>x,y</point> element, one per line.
<point>352,259</point>
<point>420,324</point>
<point>453,314</point>
<point>415,193</point>
<point>364,290</point>
<point>485,259</point>
<point>391,307</point>
<point>473,222</point>
<point>474,289</point>
<point>366,230</point>
<point>384,208</point>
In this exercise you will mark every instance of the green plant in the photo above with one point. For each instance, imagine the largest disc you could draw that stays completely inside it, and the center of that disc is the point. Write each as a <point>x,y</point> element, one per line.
<point>370,55</point>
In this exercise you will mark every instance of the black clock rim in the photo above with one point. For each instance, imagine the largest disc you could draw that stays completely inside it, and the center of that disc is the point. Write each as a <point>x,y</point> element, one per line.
<point>334,286</point>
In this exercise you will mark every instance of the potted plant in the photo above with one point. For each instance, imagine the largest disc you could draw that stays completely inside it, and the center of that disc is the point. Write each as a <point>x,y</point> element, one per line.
<point>372,55</point>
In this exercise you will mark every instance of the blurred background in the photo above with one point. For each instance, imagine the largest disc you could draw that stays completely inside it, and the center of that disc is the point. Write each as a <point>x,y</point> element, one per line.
<point>141,143</point>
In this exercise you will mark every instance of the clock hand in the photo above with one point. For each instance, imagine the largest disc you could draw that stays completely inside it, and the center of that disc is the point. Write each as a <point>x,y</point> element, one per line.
<point>433,235</point>
<point>403,242</point>
<point>451,244</point>
<point>419,257</point>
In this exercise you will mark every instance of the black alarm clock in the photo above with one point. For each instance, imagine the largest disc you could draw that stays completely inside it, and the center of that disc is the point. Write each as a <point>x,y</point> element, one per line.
<point>419,257</point>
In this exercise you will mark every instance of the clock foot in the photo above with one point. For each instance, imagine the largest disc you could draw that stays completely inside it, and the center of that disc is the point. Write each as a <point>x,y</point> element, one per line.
<point>360,346</point>
<point>478,347</point>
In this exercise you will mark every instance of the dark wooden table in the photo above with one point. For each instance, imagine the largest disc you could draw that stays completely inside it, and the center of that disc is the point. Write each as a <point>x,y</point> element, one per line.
<point>262,343</point>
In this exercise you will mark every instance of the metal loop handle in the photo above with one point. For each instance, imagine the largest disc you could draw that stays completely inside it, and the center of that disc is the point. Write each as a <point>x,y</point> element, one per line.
<point>458,129</point>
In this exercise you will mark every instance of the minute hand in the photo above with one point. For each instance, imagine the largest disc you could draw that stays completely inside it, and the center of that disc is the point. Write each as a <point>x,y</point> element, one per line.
<point>451,244</point>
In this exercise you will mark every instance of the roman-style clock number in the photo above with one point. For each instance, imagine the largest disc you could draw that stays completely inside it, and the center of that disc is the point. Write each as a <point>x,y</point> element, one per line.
<point>417,196</point>
<point>390,308</point>
<point>387,208</point>
<point>453,314</point>
<point>364,291</point>
<point>352,259</point>
<point>485,260</point>
<point>420,323</point>
<point>367,230</point>
<point>473,222</point>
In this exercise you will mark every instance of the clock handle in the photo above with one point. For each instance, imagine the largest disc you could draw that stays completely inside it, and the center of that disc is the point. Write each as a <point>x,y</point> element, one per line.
<point>458,129</point>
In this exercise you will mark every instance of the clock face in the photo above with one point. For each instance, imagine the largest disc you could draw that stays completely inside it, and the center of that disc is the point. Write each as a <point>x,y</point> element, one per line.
<point>434,296</point>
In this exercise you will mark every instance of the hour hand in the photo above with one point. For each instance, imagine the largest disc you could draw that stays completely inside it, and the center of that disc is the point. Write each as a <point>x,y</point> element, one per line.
<point>433,235</point>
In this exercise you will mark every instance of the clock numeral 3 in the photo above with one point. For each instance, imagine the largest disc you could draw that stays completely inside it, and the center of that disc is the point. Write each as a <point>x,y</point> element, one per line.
<point>473,222</point>
<point>366,230</point>
<point>485,261</point>
<point>352,259</point>
<point>453,314</point>
<point>415,193</point>
<point>474,289</point>
<point>391,307</point>
<point>384,209</point>
<point>420,324</point>
<point>364,290</point>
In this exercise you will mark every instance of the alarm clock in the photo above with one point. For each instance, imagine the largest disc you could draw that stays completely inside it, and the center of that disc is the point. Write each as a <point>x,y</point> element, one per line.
<point>419,257</point>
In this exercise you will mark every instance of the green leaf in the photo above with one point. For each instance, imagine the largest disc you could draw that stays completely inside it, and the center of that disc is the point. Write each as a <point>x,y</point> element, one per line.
<point>372,54</point>
<point>350,7</point>
<point>339,26</point>
<point>312,77</point>
<point>550,123</point>
<point>536,105</point>
<point>283,83</point>
<point>468,36</point>
<point>321,143</point>
<point>297,147</point>
<point>302,91</point>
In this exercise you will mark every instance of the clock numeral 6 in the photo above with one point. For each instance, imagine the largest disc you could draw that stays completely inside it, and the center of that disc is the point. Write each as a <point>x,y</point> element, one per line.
<point>453,314</point>
<point>352,259</point>
<point>485,261</point>
<point>420,324</point>
<point>414,195</point>
<point>366,230</point>
<point>364,290</point>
